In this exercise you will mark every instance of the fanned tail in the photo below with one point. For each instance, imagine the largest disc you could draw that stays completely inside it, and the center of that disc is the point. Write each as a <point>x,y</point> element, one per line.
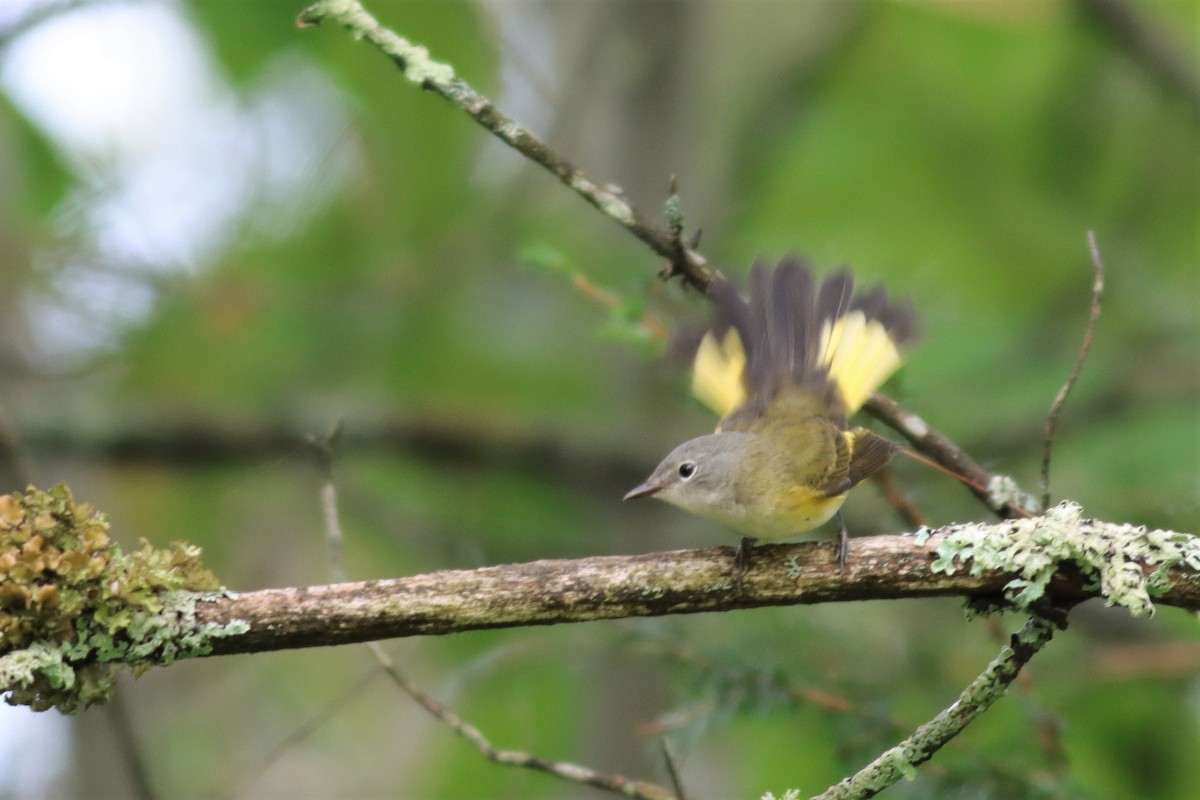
<point>794,332</point>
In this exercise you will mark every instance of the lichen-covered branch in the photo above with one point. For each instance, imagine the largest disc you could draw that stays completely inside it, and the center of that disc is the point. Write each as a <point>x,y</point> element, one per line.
<point>438,77</point>
<point>901,761</point>
<point>1061,555</point>
<point>73,604</point>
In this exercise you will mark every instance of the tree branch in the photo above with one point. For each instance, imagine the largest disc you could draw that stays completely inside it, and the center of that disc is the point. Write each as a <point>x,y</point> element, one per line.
<point>1000,493</point>
<point>438,77</point>
<point>1165,59</point>
<point>693,581</point>
<point>900,761</point>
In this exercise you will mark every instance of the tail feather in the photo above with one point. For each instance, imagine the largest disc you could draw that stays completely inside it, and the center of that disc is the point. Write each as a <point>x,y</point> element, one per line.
<point>858,356</point>
<point>796,332</point>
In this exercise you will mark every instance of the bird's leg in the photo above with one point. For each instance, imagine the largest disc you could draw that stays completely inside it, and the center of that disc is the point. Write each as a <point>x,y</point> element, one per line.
<point>843,549</point>
<point>741,559</point>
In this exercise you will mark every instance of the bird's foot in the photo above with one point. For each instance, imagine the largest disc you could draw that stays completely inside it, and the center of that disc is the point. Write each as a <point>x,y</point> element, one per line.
<point>741,559</point>
<point>843,545</point>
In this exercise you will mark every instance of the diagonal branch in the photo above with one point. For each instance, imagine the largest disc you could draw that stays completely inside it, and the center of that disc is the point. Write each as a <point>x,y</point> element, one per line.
<point>998,492</point>
<point>898,762</point>
<point>438,77</point>
<point>628,787</point>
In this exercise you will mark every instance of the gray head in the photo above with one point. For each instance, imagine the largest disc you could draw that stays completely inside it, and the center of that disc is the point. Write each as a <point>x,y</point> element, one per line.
<point>700,476</point>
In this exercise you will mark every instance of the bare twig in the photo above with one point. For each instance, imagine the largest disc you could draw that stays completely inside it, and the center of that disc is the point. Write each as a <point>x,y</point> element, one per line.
<point>999,492</point>
<point>303,732</point>
<point>117,715</point>
<point>899,761</point>
<point>440,78</point>
<point>897,498</point>
<point>672,770</point>
<point>640,790</point>
<point>1084,346</point>
<point>1159,53</point>
<point>324,448</point>
<point>200,444</point>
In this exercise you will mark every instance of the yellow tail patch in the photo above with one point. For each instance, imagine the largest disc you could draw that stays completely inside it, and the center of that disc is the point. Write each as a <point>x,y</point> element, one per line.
<point>859,356</point>
<point>717,372</point>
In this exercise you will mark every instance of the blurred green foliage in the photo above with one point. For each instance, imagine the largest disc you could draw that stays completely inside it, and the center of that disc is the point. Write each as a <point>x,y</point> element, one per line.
<point>957,151</point>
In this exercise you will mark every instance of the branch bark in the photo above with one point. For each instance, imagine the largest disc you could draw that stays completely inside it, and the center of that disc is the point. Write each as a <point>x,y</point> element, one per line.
<point>613,587</point>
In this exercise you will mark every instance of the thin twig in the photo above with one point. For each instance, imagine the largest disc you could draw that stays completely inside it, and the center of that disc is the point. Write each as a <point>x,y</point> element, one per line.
<point>117,714</point>
<point>641,790</point>
<point>324,448</point>
<point>440,78</point>
<point>672,770</point>
<point>989,686</point>
<point>1046,729</point>
<point>609,300</point>
<point>998,492</point>
<point>898,499</point>
<point>1084,346</point>
<point>304,731</point>
<point>1166,59</point>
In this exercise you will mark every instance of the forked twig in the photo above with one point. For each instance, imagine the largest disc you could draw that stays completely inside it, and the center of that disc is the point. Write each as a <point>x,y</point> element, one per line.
<point>1084,346</point>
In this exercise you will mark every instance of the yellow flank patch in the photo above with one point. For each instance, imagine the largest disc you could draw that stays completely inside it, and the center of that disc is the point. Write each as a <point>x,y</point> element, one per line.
<point>805,508</point>
<point>858,355</point>
<point>717,372</point>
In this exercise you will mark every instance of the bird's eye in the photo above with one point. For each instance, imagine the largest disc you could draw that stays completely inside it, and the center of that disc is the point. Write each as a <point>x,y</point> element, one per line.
<point>687,469</point>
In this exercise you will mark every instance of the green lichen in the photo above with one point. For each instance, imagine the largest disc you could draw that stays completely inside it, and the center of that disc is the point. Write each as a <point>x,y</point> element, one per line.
<point>73,605</point>
<point>1003,492</point>
<point>1113,558</point>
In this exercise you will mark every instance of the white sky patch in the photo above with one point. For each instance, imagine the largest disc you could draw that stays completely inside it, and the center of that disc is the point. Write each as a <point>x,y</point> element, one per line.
<point>35,749</point>
<point>529,82</point>
<point>172,162</point>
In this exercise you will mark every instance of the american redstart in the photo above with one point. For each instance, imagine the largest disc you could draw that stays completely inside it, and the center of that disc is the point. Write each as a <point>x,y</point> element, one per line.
<point>785,370</point>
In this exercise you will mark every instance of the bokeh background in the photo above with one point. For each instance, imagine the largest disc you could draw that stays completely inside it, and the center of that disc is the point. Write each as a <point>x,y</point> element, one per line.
<point>220,234</point>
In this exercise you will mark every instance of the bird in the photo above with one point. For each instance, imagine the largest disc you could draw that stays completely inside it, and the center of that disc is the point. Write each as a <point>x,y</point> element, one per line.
<point>785,369</point>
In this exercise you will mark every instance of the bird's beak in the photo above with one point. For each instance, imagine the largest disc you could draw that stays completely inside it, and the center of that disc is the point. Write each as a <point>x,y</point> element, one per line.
<point>644,490</point>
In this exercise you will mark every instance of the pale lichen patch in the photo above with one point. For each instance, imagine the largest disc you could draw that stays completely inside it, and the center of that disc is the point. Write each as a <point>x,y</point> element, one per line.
<point>1112,557</point>
<point>73,605</point>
